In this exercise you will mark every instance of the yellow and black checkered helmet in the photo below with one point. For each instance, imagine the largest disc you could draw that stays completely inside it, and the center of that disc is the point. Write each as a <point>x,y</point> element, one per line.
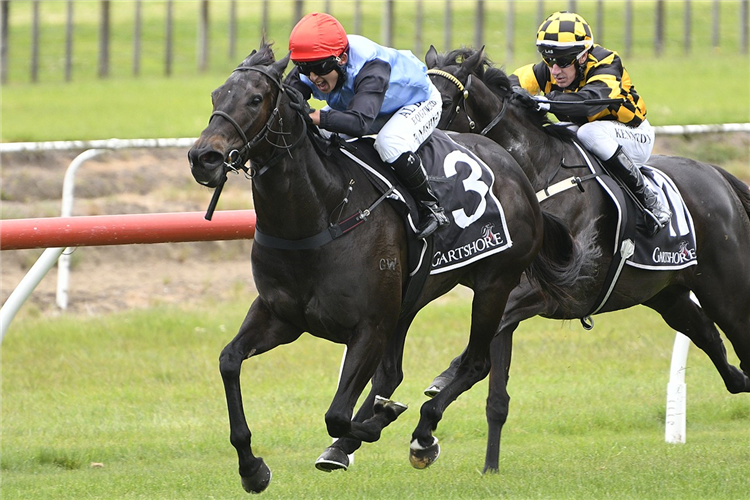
<point>563,34</point>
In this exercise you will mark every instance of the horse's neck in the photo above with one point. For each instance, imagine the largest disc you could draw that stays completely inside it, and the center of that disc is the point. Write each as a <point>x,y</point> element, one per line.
<point>536,151</point>
<point>293,198</point>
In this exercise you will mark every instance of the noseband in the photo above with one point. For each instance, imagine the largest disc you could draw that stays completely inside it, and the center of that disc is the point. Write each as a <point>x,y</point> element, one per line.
<point>465,92</point>
<point>236,158</point>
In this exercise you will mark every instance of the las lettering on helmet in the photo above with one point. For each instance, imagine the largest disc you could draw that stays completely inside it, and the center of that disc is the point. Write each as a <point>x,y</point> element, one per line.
<point>563,38</point>
<point>319,38</point>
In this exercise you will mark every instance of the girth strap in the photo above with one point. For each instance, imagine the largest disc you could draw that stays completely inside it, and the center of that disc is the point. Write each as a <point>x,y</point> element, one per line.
<point>325,236</point>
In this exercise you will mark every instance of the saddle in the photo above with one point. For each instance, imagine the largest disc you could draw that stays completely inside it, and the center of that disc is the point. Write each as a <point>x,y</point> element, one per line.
<point>475,214</point>
<point>671,248</point>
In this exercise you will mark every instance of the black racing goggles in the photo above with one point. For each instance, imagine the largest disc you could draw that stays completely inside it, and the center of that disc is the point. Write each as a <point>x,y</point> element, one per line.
<point>561,61</point>
<point>320,68</point>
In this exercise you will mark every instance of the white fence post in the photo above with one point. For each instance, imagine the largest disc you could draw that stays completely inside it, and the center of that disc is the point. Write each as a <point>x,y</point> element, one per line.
<point>63,263</point>
<point>675,430</point>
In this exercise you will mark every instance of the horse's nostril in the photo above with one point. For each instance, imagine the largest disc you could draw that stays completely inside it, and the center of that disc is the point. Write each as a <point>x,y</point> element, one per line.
<point>212,158</point>
<point>205,158</point>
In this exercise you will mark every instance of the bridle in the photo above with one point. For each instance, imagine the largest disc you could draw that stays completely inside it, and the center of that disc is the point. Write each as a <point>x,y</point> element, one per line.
<point>464,91</point>
<point>236,158</point>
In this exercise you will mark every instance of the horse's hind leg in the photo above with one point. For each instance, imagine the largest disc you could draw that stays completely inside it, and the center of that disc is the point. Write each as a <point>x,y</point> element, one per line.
<point>682,314</point>
<point>498,399</point>
<point>487,310</point>
<point>731,312</point>
<point>260,332</point>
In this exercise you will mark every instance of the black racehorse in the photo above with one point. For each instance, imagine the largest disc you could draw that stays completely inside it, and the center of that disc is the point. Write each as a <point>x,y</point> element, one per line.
<point>337,288</point>
<point>478,97</point>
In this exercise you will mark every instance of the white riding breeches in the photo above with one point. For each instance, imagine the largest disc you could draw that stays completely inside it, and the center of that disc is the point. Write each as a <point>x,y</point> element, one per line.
<point>602,137</point>
<point>409,127</point>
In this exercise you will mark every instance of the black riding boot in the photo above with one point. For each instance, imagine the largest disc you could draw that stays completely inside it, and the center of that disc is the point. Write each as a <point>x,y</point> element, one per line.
<point>621,165</point>
<point>409,169</point>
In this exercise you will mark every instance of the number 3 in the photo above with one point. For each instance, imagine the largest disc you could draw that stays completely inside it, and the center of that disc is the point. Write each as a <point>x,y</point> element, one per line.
<point>472,183</point>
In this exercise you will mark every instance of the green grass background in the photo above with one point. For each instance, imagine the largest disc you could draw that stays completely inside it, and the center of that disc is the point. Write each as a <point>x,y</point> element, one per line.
<point>705,85</point>
<point>141,394</point>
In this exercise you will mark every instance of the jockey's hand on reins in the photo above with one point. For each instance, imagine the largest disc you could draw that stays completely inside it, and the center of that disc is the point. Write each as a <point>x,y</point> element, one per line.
<point>298,103</point>
<point>522,96</point>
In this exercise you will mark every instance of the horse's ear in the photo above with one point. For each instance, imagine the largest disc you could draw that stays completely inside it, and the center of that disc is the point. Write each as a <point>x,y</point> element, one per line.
<point>280,66</point>
<point>430,58</point>
<point>474,62</point>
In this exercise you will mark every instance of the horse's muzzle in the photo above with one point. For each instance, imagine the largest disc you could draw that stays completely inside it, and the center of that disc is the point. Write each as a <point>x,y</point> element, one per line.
<point>206,165</point>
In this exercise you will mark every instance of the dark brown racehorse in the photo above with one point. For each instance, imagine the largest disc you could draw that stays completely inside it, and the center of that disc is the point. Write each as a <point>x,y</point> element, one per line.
<point>337,288</point>
<point>478,97</point>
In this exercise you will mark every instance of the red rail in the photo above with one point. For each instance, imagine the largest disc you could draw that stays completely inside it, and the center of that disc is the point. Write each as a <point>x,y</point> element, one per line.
<point>54,232</point>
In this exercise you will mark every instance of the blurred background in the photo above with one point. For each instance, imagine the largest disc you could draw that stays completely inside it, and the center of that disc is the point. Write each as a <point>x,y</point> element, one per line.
<point>155,62</point>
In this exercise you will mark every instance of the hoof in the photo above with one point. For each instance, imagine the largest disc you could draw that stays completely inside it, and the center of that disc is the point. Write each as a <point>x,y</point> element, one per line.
<point>258,481</point>
<point>422,457</point>
<point>393,408</point>
<point>490,470</point>
<point>332,459</point>
<point>436,386</point>
<point>432,391</point>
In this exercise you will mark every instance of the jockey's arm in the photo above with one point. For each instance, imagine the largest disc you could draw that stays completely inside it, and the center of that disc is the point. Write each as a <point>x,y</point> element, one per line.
<point>571,103</point>
<point>370,86</point>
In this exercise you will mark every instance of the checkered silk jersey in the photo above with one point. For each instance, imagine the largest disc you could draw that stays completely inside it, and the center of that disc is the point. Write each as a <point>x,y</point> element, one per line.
<point>602,77</point>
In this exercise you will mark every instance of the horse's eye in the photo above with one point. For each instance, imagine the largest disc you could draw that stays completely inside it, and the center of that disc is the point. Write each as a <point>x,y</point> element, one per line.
<point>255,100</point>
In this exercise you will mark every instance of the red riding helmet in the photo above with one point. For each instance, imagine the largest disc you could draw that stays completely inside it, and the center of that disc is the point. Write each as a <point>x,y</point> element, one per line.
<point>317,36</point>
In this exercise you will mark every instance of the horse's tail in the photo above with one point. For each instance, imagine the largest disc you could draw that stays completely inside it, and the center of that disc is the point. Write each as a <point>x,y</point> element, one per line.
<point>563,261</point>
<point>741,189</point>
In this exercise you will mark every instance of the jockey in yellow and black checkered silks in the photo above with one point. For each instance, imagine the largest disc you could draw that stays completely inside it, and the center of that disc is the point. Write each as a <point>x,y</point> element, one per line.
<point>588,86</point>
<point>562,39</point>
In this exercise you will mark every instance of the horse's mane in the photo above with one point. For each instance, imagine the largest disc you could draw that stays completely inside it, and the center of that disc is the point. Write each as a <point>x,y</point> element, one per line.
<point>498,82</point>
<point>261,57</point>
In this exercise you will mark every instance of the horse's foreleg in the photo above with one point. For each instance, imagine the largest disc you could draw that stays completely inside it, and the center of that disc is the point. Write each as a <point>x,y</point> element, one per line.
<point>259,332</point>
<point>387,378</point>
<point>363,355</point>
<point>439,382</point>
<point>525,301</point>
